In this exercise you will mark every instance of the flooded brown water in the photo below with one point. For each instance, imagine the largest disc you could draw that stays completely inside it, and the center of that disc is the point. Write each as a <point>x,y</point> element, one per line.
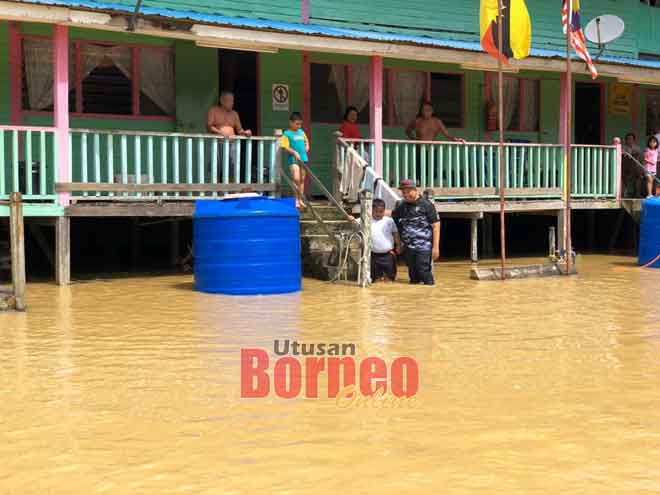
<point>132,386</point>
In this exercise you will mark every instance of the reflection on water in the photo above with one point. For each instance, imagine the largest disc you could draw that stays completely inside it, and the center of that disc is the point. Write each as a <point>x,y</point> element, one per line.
<point>534,386</point>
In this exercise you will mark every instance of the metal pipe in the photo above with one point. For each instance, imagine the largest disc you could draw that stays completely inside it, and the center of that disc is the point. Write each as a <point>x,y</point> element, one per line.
<point>133,20</point>
<point>500,105</point>
<point>569,120</point>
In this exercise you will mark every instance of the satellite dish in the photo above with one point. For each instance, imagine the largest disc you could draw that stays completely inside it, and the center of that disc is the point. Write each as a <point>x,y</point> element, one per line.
<point>604,29</point>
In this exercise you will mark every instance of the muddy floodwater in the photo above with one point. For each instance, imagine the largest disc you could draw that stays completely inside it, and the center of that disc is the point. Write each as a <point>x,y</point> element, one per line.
<point>132,386</point>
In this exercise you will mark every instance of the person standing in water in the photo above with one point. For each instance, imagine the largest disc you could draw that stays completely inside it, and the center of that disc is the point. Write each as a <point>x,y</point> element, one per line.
<point>419,227</point>
<point>426,126</point>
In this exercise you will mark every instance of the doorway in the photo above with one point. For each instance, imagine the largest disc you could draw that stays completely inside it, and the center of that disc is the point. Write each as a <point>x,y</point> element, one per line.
<point>239,74</point>
<point>588,113</point>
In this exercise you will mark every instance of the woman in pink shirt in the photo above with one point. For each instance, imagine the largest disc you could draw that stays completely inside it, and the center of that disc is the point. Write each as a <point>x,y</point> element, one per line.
<point>651,164</point>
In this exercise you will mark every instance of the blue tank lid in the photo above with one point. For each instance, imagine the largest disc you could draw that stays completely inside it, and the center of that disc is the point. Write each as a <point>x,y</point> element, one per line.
<point>256,206</point>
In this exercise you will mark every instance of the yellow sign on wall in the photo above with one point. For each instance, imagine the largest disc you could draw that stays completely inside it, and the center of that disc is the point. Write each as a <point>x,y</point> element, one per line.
<point>619,100</point>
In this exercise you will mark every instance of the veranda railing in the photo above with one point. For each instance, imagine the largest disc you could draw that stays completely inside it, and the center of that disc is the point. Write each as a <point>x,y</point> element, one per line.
<point>455,170</point>
<point>27,163</point>
<point>166,164</point>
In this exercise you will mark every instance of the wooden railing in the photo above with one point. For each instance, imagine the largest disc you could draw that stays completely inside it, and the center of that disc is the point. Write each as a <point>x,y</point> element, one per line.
<point>106,164</point>
<point>27,163</point>
<point>456,171</point>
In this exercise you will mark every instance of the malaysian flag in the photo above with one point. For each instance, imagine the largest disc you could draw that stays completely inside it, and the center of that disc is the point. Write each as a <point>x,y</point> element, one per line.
<point>570,12</point>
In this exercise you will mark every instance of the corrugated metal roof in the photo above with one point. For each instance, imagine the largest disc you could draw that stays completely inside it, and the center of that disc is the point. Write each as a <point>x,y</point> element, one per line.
<point>155,8</point>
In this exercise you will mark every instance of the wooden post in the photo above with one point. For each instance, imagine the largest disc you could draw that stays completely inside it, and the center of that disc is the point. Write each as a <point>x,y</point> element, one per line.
<point>63,250</point>
<point>17,239</point>
<point>277,179</point>
<point>364,274</point>
<point>552,242</point>
<point>336,176</point>
<point>561,229</point>
<point>376,110</point>
<point>474,239</point>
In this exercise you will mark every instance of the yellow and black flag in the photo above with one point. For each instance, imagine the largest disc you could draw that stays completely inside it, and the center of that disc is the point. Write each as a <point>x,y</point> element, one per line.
<point>516,29</point>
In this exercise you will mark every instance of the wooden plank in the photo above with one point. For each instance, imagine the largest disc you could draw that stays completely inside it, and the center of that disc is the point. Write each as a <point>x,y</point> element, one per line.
<point>467,192</point>
<point>156,188</point>
<point>517,272</point>
<point>532,191</point>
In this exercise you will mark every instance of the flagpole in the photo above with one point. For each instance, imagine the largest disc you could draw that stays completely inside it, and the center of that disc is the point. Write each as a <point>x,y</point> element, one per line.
<point>500,109</point>
<point>568,138</point>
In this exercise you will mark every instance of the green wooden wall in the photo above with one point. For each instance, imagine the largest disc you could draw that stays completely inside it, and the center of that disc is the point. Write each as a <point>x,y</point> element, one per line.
<point>459,20</point>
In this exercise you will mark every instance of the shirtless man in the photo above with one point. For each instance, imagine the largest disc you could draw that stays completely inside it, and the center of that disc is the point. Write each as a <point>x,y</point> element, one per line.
<point>426,127</point>
<point>224,120</point>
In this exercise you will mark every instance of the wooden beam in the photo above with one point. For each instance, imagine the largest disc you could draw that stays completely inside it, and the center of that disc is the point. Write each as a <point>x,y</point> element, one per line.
<point>474,240</point>
<point>131,210</point>
<point>158,188</point>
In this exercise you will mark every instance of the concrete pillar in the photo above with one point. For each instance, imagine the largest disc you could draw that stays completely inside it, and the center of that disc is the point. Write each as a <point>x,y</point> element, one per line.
<point>63,250</point>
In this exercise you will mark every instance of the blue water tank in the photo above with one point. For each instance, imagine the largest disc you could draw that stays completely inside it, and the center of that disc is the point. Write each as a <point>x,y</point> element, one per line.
<point>247,246</point>
<point>649,232</point>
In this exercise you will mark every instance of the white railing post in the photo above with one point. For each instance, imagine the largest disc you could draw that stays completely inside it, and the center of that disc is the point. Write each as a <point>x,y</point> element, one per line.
<point>617,143</point>
<point>376,110</point>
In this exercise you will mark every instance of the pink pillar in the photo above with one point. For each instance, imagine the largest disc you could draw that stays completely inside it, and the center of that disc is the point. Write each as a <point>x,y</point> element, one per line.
<point>563,108</point>
<point>304,11</point>
<point>376,110</point>
<point>15,71</point>
<point>61,106</point>
<point>617,142</point>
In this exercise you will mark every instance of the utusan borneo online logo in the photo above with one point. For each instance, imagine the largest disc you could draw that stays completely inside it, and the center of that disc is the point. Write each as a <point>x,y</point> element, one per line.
<point>329,372</point>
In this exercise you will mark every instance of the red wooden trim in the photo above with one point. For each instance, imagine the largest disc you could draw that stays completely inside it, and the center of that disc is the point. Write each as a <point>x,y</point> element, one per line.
<point>427,95</point>
<point>157,118</point>
<point>304,11</point>
<point>15,70</point>
<point>390,97</point>
<point>349,85</point>
<point>521,102</point>
<point>635,111</point>
<point>135,79</point>
<point>79,78</point>
<point>257,131</point>
<point>307,95</point>
<point>603,113</point>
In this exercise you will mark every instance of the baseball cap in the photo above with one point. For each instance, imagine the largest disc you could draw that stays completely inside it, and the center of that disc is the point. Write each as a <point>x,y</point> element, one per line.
<point>407,184</point>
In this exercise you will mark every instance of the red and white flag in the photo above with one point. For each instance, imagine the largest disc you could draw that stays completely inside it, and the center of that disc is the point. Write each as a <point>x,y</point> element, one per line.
<point>570,14</point>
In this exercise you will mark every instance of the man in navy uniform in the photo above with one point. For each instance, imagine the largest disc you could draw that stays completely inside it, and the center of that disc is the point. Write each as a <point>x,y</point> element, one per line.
<point>419,228</point>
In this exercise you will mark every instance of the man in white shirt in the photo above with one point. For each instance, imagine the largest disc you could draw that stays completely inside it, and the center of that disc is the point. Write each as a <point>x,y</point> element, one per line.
<point>385,244</point>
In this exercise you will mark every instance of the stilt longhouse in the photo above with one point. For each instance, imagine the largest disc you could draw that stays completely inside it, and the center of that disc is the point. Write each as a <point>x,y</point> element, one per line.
<point>103,105</point>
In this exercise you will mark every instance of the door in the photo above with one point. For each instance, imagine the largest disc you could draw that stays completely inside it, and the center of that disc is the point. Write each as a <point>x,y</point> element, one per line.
<point>588,114</point>
<point>239,74</point>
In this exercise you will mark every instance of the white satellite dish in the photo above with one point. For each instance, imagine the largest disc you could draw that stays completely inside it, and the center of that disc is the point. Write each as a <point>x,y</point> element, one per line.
<point>604,29</point>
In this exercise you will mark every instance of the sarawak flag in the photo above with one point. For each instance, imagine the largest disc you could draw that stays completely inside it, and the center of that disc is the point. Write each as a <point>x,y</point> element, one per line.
<point>516,29</point>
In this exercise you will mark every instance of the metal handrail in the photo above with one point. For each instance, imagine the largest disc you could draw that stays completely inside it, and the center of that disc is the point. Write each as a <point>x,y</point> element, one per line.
<point>639,164</point>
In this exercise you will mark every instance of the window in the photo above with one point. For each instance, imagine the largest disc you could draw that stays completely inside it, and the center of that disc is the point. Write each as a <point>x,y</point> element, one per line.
<point>335,87</point>
<point>105,79</point>
<point>521,102</point>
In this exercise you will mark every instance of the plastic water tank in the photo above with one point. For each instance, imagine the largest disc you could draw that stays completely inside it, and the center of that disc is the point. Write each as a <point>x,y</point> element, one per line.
<point>247,246</point>
<point>649,232</point>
